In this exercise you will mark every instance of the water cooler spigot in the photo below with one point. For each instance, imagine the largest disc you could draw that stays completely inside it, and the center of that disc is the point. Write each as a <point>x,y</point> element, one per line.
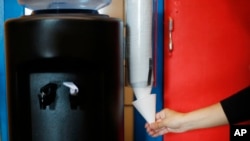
<point>47,95</point>
<point>73,94</point>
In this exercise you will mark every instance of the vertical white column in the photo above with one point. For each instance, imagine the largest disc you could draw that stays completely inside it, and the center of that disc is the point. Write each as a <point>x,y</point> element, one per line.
<point>139,17</point>
<point>139,25</point>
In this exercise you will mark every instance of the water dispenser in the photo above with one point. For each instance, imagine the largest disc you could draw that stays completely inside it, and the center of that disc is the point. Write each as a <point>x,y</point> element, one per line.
<point>64,66</point>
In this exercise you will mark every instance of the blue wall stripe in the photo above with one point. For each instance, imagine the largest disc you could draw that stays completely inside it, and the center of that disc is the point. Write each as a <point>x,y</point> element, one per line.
<point>2,86</point>
<point>8,9</point>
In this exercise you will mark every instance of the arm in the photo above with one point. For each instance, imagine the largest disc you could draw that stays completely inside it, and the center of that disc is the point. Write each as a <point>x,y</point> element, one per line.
<point>204,118</point>
<point>231,110</point>
<point>171,121</point>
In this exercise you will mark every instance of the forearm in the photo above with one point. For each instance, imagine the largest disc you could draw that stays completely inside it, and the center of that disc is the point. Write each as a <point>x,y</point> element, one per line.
<point>204,118</point>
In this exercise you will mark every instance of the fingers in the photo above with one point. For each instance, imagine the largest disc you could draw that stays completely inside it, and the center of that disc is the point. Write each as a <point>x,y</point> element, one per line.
<point>157,125</point>
<point>155,132</point>
<point>160,117</point>
<point>157,128</point>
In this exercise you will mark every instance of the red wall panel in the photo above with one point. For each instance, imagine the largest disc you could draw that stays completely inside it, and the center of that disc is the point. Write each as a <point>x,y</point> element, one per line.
<point>210,58</point>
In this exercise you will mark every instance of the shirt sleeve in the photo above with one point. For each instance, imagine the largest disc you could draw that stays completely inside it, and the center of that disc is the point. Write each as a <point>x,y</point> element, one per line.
<point>237,106</point>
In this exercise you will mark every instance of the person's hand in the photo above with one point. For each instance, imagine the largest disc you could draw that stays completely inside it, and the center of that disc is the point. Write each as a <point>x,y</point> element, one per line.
<point>166,121</point>
<point>169,120</point>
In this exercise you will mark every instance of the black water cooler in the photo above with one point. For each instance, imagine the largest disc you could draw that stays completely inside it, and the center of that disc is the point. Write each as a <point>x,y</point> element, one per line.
<point>52,48</point>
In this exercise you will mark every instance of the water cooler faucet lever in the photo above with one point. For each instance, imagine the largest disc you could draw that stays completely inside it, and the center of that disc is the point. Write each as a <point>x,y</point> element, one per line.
<point>47,95</point>
<point>73,89</point>
<point>73,94</point>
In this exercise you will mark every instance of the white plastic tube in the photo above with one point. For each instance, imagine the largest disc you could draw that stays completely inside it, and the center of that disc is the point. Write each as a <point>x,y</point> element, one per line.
<point>139,17</point>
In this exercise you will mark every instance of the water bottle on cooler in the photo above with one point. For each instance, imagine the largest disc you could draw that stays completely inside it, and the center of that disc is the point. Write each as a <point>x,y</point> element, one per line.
<point>64,4</point>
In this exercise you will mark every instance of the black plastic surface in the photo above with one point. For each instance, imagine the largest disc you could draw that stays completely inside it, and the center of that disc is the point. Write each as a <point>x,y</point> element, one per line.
<point>84,49</point>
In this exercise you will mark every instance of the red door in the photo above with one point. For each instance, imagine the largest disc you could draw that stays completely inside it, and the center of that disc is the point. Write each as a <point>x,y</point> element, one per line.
<point>210,58</point>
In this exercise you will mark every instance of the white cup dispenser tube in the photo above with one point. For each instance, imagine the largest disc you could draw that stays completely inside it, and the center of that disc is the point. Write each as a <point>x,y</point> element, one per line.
<point>139,20</point>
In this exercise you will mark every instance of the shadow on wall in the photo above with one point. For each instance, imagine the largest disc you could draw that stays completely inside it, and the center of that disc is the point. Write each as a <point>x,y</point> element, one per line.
<point>240,11</point>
